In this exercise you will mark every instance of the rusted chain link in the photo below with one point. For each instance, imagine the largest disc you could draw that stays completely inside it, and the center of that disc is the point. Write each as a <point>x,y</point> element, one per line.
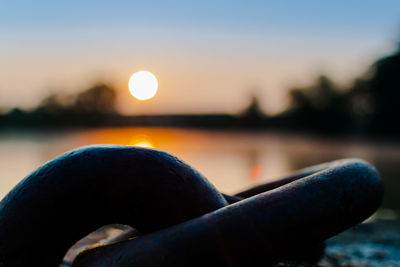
<point>182,219</point>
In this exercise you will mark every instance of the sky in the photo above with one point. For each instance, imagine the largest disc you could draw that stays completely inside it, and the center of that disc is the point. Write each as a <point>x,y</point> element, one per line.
<point>208,56</point>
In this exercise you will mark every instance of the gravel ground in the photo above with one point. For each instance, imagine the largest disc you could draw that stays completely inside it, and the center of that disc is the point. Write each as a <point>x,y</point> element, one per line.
<point>370,244</point>
<point>374,244</point>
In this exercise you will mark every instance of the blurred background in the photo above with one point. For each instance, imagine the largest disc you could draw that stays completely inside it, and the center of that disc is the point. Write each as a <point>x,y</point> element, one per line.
<point>248,91</point>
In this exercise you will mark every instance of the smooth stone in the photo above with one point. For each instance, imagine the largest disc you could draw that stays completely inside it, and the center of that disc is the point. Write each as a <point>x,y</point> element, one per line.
<point>79,191</point>
<point>259,229</point>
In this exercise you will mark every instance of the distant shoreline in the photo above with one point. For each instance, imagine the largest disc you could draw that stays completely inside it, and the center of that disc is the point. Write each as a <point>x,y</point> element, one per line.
<point>348,137</point>
<point>21,120</point>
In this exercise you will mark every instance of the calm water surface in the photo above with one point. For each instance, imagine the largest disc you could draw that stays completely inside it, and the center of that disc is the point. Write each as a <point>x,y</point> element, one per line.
<point>232,161</point>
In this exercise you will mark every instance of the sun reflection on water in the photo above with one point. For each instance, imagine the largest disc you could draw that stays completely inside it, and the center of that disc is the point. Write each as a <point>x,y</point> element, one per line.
<point>141,140</point>
<point>232,161</point>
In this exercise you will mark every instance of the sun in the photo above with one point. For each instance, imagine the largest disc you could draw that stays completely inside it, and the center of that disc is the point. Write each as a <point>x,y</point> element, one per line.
<point>143,85</point>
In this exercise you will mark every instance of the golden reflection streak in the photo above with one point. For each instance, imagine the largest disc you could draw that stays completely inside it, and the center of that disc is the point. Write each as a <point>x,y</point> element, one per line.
<point>255,172</point>
<point>141,140</point>
<point>175,141</point>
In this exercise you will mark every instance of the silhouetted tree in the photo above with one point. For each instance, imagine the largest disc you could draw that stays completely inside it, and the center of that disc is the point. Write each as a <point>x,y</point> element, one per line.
<point>360,98</point>
<point>89,107</point>
<point>52,104</point>
<point>252,116</point>
<point>323,95</point>
<point>253,110</point>
<point>385,91</point>
<point>99,99</point>
<point>375,96</point>
<point>319,107</point>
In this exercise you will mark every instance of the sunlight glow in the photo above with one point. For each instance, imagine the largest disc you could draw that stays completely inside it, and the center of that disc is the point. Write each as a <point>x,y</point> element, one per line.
<point>141,140</point>
<point>143,85</point>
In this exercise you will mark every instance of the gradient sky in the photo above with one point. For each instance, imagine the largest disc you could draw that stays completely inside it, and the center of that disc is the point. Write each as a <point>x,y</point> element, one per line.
<point>209,55</point>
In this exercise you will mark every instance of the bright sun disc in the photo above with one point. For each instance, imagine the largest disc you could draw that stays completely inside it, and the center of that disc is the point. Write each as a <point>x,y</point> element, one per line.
<point>143,85</point>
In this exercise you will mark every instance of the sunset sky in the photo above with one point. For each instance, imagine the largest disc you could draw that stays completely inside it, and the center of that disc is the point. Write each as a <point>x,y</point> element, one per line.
<point>208,56</point>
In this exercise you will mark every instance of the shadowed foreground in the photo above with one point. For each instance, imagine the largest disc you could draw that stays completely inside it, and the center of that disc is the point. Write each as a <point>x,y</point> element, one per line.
<point>182,220</point>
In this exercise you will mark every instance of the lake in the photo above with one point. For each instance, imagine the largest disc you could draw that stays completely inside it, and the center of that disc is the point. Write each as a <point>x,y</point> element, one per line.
<point>232,161</point>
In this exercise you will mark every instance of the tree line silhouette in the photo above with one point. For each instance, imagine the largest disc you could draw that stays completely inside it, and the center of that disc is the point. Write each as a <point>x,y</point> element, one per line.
<point>367,107</point>
<point>92,107</point>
